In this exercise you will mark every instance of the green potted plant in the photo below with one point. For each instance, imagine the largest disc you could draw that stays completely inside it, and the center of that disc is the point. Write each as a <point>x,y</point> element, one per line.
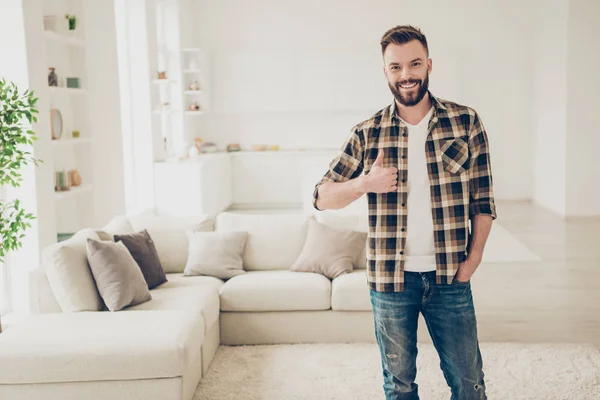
<point>72,21</point>
<point>17,113</point>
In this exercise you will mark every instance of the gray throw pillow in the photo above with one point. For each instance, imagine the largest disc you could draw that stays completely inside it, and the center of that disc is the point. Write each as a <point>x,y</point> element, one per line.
<point>119,279</point>
<point>217,254</point>
<point>142,249</point>
<point>329,251</point>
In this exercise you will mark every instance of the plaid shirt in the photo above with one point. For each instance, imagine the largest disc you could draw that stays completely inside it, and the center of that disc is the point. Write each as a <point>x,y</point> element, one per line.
<point>460,176</point>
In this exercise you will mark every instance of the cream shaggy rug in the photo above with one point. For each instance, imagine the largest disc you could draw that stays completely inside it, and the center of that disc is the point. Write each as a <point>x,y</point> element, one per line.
<point>353,371</point>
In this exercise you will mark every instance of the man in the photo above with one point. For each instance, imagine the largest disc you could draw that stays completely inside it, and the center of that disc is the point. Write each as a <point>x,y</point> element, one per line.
<point>427,172</point>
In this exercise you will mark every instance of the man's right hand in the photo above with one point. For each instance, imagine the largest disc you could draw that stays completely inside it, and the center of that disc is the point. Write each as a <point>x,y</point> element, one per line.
<point>380,179</point>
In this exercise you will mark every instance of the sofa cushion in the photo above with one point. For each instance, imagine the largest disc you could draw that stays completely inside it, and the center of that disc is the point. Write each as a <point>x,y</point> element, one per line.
<point>142,249</point>
<point>350,292</point>
<point>170,238</point>
<point>100,346</point>
<point>276,291</point>
<point>329,251</point>
<point>274,239</point>
<point>196,294</point>
<point>69,273</point>
<point>342,220</point>
<point>217,254</point>
<point>118,277</point>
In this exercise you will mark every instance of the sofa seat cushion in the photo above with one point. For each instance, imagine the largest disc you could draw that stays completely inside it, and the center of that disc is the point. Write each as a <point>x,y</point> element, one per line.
<point>350,292</point>
<point>276,291</point>
<point>196,294</point>
<point>100,346</point>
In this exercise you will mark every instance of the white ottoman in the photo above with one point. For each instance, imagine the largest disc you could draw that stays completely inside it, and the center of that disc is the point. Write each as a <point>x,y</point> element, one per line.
<point>103,355</point>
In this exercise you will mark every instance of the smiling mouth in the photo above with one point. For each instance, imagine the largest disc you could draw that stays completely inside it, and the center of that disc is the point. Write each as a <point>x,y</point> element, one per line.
<point>408,86</point>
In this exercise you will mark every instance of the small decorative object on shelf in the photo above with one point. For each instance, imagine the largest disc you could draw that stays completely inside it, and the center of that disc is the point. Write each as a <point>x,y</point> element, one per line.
<point>62,181</point>
<point>194,85</point>
<point>194,107</point>
<point>75,134</point>
<point>274,147</point>
<point>198,142</point>
<point>74,177</point>
<point>161,75</point>
<point>73,83</point>
<point>193,151</point>
<point>259,147</point>
<point>52,77</point>
<point>56,123</point>
<point>232,147</point>
<point>50,23</point>
<point>208,147</point>
<point>72,21</point>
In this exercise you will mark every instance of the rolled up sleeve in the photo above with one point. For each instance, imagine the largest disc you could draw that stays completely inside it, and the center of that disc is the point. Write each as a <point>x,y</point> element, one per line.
<point>481,191</point>
<point>347,164</point>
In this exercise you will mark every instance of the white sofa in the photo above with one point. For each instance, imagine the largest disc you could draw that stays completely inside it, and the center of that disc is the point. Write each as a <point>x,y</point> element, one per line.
<point>160,349</point>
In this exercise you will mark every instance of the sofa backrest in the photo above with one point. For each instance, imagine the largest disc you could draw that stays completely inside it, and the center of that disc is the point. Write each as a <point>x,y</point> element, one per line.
<point>169,236</point>
<point>274,239</point>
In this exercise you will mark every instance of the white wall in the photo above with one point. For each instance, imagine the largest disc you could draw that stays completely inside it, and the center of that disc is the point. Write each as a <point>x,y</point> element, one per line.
<point>550,106</point>
<point>105,118</point>
<point>583,97</point>
<point>301,74</point>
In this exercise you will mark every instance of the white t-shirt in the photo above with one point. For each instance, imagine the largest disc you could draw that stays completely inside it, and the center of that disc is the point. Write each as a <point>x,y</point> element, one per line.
<point>420,248</point>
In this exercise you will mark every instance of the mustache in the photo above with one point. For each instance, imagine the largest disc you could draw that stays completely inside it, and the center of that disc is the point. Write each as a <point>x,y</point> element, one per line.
<point>409,82</point>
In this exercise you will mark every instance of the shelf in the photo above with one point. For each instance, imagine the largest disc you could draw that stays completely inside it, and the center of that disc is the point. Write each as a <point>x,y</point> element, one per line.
<point>77,190</point>
<point>159,112</point>
<point>192,91</point>
<point>162,81</point>
<point>70,142</point>
<point>191,50</point>
<point>64,39</point>
<point>66,90</point>
<point>194,112</point>
<point>191,71</point>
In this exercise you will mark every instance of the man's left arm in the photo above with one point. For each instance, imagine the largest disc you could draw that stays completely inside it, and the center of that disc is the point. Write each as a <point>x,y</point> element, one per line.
<point>482,208</point>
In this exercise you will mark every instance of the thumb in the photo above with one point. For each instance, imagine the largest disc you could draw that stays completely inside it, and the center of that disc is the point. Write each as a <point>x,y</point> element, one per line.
<point>379,161</point>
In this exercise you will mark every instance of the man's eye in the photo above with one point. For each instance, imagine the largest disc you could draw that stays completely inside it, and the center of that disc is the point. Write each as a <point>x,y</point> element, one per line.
<point>416,64</point>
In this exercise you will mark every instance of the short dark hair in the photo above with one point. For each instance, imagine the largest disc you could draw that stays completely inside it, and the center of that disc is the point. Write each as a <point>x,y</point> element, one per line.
<point>401,34</point>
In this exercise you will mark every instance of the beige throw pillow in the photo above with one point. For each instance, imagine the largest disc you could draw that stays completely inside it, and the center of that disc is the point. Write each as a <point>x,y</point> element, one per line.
<point>217,254</point>
<point>118,277</point>
<point>329,251</point>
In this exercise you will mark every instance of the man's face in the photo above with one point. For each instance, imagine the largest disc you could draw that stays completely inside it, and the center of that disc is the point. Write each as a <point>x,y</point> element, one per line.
<point>407,69</point>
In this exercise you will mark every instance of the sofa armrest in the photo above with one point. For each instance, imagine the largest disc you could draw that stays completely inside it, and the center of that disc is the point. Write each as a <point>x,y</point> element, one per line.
<point>41,297</point>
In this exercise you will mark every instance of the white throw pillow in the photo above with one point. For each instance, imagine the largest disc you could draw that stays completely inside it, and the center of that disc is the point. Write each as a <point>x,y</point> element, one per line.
<point>69,273</point>
<point>217,254</point>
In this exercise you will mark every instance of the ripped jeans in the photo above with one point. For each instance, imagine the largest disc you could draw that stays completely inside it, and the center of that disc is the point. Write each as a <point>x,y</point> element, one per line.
<point>450,317</point>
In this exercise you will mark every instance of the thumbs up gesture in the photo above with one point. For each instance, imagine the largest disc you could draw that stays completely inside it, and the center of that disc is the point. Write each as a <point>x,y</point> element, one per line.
<point>380,179</point>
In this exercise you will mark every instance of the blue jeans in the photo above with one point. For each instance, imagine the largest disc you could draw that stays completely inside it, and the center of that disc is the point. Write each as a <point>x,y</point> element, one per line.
<point>450,317</point>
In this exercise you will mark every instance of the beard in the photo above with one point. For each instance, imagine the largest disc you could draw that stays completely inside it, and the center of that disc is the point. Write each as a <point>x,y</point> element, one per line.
<point>412,98</point>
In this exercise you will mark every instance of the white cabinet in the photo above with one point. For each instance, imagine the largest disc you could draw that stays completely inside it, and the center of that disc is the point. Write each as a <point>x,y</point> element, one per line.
<point>193,187</point>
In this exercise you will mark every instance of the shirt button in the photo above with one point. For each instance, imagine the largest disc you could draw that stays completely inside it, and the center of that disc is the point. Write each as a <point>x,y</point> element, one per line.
<point>404,134</point>
<point>403,180</point>
<point>402,229</point>
<point>403,204</point>
<point>403,156</point>
<point>401,252</point>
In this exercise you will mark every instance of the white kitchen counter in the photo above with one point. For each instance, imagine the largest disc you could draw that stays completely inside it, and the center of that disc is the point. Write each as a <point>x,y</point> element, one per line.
<point>212,182</point>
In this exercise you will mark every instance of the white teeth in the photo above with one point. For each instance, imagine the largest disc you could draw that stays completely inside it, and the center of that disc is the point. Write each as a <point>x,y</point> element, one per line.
<point>408,87</point>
